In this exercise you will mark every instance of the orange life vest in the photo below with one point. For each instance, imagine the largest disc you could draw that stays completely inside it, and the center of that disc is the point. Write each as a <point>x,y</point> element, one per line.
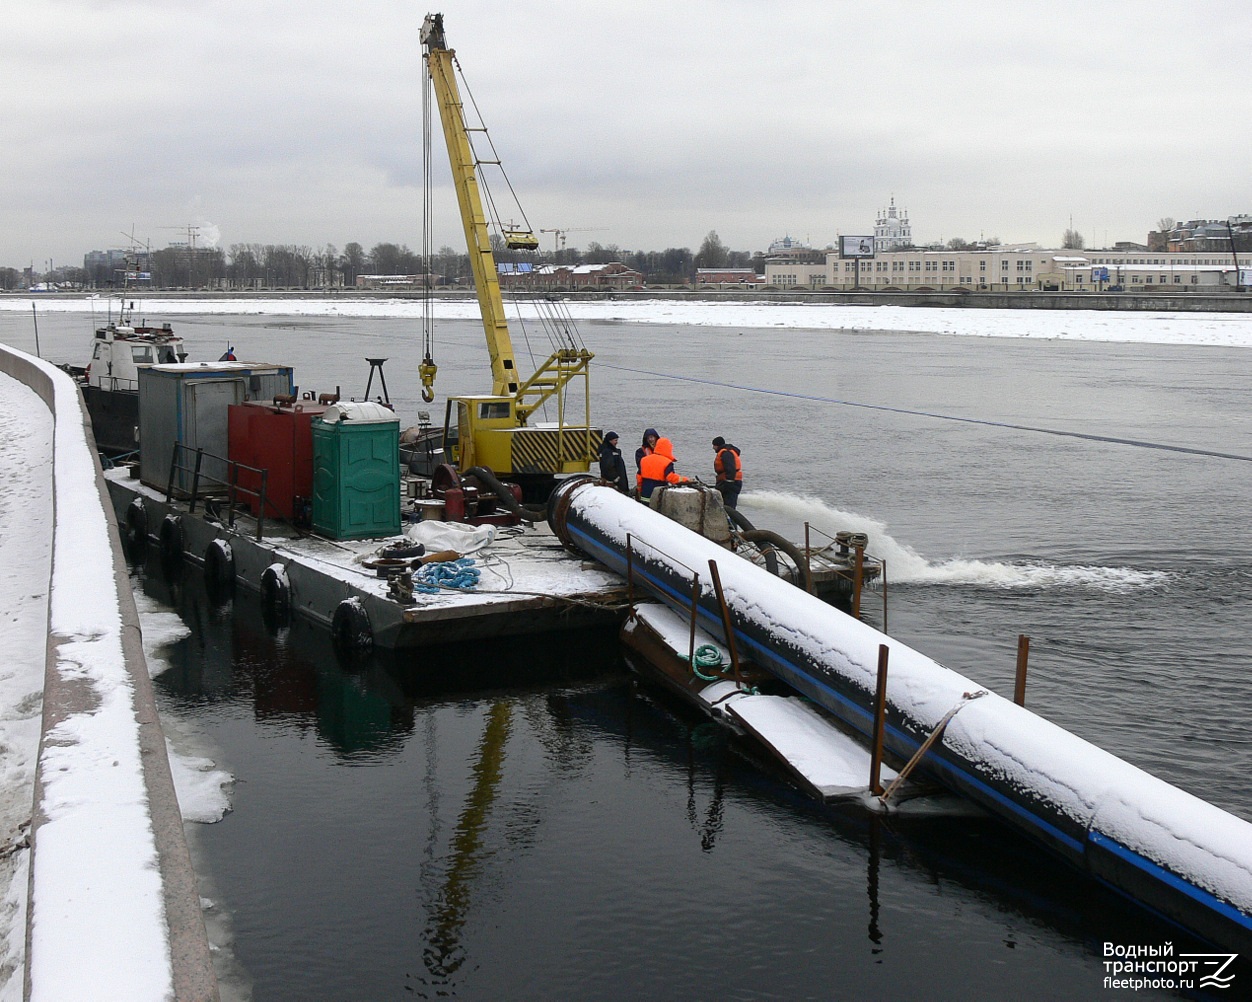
<point>658,468</point>
<point>725,459</point>
<point>639,459</point>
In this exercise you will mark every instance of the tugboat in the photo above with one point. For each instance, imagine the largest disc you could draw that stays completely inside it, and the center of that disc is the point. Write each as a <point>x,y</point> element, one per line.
<point>110,382</point>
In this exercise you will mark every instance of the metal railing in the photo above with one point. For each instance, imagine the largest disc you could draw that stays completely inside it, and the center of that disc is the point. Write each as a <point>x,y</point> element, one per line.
<point>694,610</point>
<point>233,489</point>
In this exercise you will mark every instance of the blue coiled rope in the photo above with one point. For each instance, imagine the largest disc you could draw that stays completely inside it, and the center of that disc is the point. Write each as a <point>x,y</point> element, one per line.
<point>433,578</point>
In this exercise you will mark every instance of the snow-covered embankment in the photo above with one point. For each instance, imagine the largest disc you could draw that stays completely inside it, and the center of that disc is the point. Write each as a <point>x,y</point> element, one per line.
<point>113,909</point>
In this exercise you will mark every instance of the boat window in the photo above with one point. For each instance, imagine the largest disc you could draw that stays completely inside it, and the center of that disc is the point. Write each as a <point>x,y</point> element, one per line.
<point>165,355</point>
<point>141,353</point>
<point>100,349</point>
<point>494,411</point>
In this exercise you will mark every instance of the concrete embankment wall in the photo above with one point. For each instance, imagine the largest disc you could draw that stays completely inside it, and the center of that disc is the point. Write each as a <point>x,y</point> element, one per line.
<point>102,854</point>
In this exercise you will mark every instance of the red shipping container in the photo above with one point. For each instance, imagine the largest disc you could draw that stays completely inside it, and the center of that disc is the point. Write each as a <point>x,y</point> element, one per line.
<point>279,440</point>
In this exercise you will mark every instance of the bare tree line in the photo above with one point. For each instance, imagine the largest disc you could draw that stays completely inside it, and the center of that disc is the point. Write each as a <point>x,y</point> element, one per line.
<point>299,266</point>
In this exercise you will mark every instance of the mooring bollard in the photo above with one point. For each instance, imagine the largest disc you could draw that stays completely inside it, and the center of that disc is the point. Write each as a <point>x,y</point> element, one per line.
<point>880,713</point>
<point>1023,652</point>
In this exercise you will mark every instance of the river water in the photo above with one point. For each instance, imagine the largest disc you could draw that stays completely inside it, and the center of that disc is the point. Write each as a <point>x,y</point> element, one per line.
<point>523,819</point>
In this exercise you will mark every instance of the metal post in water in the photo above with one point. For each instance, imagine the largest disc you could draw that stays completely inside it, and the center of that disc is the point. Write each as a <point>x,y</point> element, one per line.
<point>727,627</point>
<point>695,611</point>
<point>883,564</point>
<point>35,317</point>
<point>1023,652</point>
<point>856,581</point>
<point>880,714</point>
<point>630,574</point>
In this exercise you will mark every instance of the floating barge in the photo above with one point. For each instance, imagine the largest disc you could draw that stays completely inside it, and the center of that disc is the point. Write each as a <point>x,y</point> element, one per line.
<point>529,582</point>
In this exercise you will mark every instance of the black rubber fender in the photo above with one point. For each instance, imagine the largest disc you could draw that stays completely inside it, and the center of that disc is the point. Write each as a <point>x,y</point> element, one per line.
<point>219,565</point>
<point>135,525</point>
<point>276,590</point>
<point>170,539</point>
<point>403,551</point>
<point>350,627</point>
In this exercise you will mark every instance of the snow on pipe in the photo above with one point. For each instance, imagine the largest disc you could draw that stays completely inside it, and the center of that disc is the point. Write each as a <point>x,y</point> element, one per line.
<point>1171,851</point>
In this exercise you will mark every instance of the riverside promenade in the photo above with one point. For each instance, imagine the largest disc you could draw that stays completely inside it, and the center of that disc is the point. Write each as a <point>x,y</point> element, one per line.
<point>98,898</point>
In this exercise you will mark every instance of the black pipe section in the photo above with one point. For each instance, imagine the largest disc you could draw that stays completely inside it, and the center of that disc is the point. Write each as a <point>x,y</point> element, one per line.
<point>527,513</point>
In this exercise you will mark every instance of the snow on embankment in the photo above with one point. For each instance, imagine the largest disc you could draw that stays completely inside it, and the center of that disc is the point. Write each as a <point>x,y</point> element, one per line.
<point>1172,851</point>
<point>113,907</point>
<point>25,567</point>
<point>1128,326</point>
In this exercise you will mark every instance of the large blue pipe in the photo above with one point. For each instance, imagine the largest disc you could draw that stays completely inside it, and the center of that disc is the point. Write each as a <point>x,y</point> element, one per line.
<point>1180,856</point>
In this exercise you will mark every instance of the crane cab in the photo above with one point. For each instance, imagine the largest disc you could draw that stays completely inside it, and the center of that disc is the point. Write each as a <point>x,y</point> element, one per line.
<point>486,431</point>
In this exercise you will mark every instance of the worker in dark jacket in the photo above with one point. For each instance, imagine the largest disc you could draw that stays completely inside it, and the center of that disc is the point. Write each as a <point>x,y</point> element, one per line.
<point>657,468</point>
<point>729,470</point>
<point>649,443</point>
<point>612,466</point>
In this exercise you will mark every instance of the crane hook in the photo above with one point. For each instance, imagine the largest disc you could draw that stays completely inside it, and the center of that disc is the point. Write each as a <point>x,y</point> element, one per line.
<point>427,372</point>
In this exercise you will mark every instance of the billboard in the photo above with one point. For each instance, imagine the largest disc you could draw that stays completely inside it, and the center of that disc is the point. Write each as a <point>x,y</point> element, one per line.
<point>856,246</point>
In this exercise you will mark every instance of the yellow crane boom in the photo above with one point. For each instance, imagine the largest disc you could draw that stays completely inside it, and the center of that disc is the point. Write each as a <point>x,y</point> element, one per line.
<point>492,430</point>
<point>439,63</point>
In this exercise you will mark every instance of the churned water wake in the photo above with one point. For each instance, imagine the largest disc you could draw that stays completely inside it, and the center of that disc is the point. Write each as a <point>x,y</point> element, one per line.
<point>906,566</point>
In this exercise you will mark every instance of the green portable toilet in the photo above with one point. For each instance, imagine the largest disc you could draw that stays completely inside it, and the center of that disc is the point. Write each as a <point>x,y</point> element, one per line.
<point>356,472</point>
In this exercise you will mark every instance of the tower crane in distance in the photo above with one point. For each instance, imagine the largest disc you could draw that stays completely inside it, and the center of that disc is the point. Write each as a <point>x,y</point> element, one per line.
<point>558,240</point>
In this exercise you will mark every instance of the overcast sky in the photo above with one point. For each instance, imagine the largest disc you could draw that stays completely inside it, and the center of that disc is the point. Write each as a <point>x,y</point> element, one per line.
<point>639,124</point>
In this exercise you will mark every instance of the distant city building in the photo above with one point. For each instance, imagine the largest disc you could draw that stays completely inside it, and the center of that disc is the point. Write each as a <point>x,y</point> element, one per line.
<point>390,281</point>
<point>786,249</point>
<point>891,230</point>
<point>793,274</point>
<point>728,276</point>
<point>1008,268</point>
<point>614,275</point>
<point>1200,235</point>
<point>111,266</point>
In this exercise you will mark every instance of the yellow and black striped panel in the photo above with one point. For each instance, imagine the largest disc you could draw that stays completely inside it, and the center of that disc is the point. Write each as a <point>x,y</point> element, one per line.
<point>548,450</point>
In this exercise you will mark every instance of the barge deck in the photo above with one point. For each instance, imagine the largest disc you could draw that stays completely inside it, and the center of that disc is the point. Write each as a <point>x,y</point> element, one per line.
<point>528,582</point>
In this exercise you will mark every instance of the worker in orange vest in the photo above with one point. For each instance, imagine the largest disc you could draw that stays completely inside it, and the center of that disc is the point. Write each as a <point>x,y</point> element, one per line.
<point>649,443</point>
<point>729,470</point>
<point>657,468</point>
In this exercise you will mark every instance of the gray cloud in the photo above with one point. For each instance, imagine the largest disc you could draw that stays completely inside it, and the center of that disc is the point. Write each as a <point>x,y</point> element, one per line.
<point>653,122</point>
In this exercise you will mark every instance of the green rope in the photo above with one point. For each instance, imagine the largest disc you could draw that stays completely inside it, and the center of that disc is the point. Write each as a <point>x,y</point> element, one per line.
<point>707,656</point>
